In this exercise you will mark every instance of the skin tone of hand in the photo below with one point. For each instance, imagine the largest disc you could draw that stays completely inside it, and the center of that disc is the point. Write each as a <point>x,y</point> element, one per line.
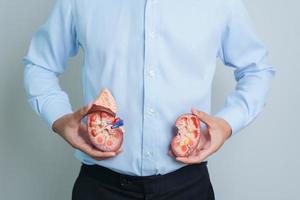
<point>73,131</point>
<point>211,139</point>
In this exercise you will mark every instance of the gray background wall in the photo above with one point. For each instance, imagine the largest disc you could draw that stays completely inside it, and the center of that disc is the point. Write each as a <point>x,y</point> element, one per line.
<point>261,162</point>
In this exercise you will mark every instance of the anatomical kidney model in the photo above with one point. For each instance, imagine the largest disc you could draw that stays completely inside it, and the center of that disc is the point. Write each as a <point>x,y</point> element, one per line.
<point>187,136</point>
<point>104,128</point>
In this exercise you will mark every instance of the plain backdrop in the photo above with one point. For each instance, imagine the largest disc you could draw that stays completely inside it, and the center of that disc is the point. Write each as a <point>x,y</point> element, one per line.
<point>262,162</point>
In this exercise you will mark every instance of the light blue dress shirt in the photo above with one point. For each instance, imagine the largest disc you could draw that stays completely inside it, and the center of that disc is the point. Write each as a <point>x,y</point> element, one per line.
<point>158,58</point>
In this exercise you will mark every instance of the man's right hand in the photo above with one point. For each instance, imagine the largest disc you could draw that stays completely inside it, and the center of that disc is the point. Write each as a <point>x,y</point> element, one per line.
<point>70,128</point>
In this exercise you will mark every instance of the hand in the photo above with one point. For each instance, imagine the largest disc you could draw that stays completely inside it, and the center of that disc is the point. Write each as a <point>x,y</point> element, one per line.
<point>70,128</point>
<point>214,136</point>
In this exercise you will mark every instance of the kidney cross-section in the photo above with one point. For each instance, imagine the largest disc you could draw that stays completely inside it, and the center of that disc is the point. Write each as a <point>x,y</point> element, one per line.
<point>103,133</point>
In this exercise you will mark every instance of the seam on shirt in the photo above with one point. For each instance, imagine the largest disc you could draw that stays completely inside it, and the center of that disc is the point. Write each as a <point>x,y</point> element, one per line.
<point>73,26</point>
<point>143,107</point>
<point>226,29</point>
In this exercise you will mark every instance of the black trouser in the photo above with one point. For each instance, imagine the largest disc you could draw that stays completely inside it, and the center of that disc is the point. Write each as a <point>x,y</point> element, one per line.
<point>190,182</point>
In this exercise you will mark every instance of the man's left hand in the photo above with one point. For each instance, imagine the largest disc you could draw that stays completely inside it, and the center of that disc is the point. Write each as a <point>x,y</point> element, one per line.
<point>216,133</point>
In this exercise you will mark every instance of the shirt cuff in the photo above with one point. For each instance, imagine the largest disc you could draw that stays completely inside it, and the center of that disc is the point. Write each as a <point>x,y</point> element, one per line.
<point>234,116</point>
<point>55,109</point>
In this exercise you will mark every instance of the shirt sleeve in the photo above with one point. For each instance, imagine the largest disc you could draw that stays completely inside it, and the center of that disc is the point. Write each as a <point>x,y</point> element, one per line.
<point>46,59</point>
<point>241,49</point>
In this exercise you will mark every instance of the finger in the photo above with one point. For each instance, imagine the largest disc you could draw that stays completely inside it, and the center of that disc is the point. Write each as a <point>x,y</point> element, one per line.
<point>197,149</point>
<point>83,133</point>
<point>103,158</point>
<point>205,132</point>
<point>205,153</point>
<point>188,160</point>
<point>83,128</point>
<point>202,116</point>
<point>95,153</point>
<point>119,151</point>
<point>201,155</point>
<point>82,112</point>
<point>204,140</point>
<point>170,153</point>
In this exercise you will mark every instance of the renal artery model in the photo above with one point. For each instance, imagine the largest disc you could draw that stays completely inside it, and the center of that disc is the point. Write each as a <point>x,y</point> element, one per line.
<point>187,136</point>
<point>104,128</point>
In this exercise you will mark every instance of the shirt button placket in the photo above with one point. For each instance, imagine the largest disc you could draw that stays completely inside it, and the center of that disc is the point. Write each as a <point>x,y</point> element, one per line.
<point>148,162</point>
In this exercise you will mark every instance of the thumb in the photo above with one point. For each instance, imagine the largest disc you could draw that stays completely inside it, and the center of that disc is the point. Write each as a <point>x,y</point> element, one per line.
<point>202,116</point>
<point>82,112</point>
<point>205,153</point>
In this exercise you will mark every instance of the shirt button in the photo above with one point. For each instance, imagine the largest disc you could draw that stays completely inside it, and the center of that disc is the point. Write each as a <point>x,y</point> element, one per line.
<point>151,73</point>
<point>150,111</point>
<point>148,154</point>
<point>152,34</point>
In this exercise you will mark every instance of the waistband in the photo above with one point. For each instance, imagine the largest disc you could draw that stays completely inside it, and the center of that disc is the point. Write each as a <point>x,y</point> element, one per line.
<point>146,184</point>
